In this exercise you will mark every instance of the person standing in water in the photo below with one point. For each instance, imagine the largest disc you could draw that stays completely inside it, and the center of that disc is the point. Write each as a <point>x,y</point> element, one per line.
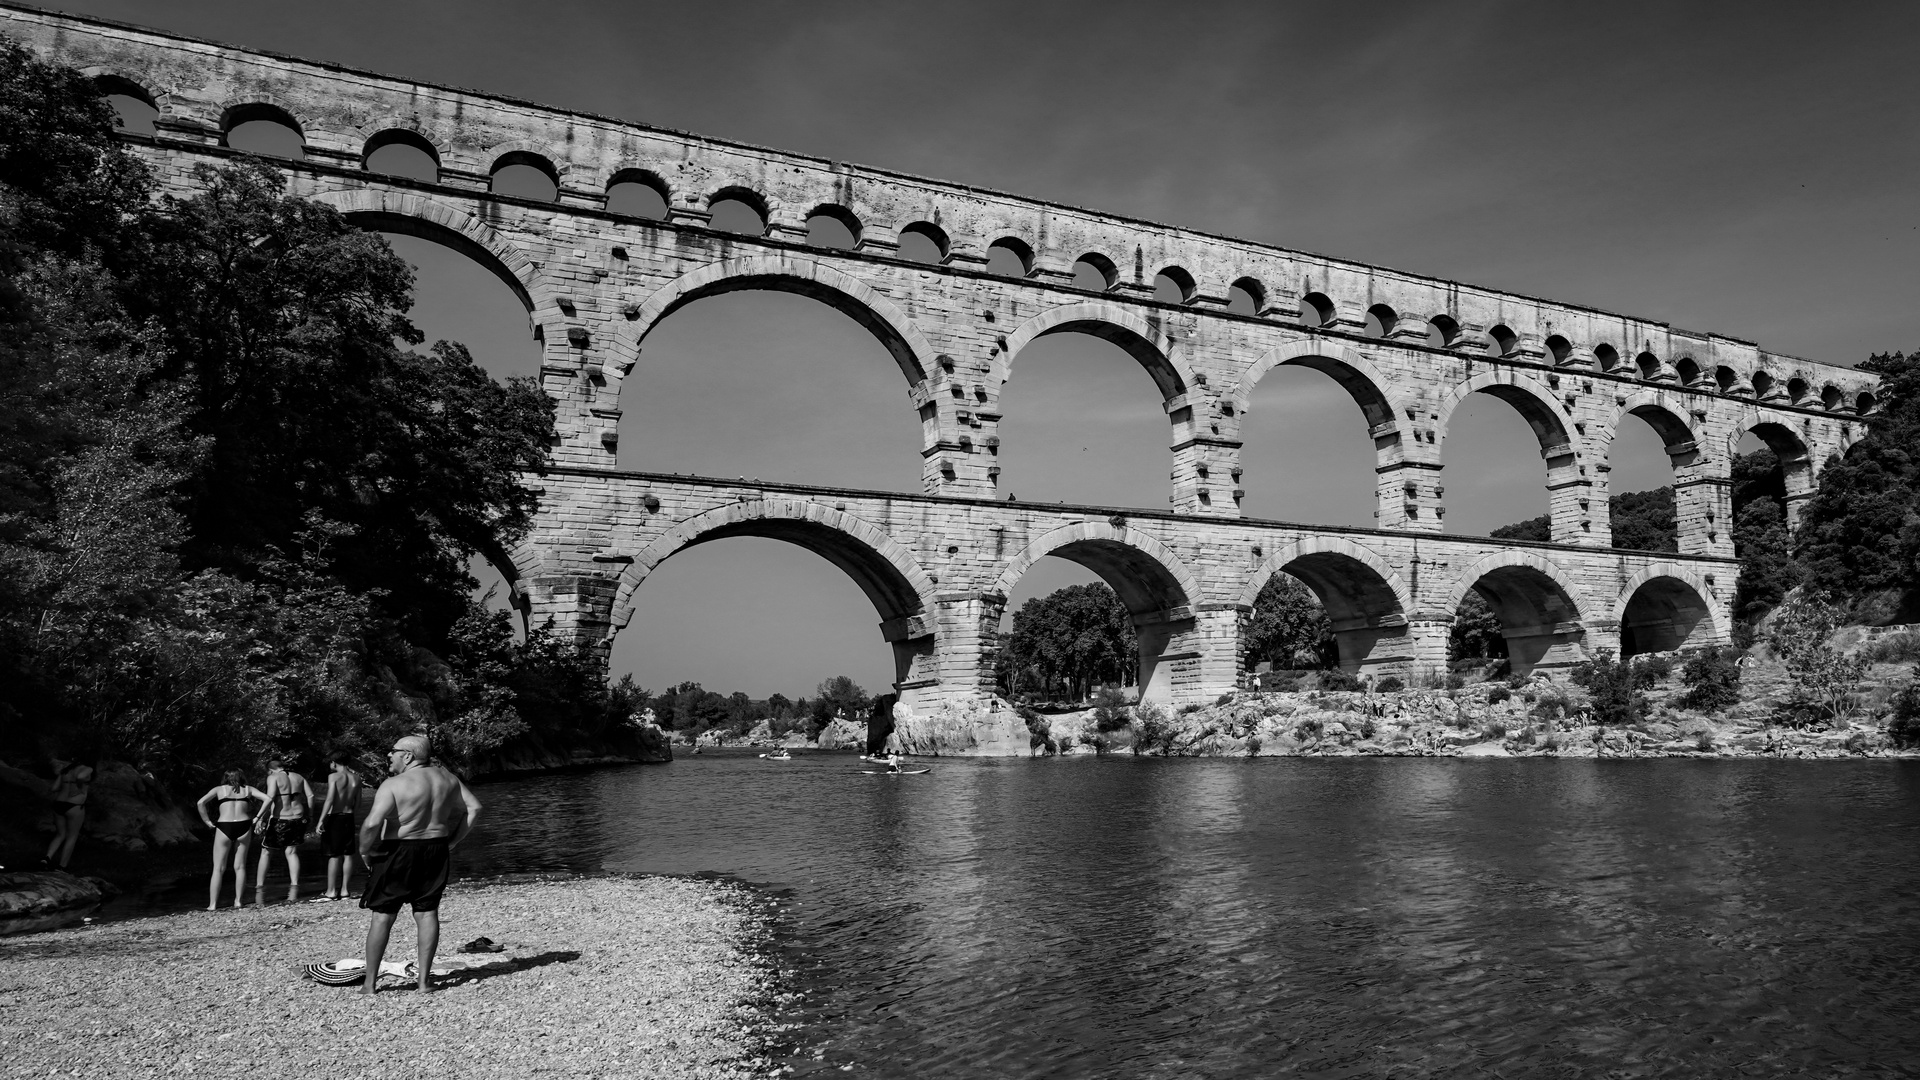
<point>282,824</point>
<point>431,812</point>
<point>336,826</point>
<point>232,833</point>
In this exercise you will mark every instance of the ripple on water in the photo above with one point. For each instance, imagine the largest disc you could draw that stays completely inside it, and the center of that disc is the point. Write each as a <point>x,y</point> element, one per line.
<point>1122,917</point>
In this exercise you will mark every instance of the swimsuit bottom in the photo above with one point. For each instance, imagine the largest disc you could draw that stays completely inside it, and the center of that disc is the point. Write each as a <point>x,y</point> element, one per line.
<point>336,835</point>
<point>408,872</point>
<point>285,832</point>
<point>235,829</point>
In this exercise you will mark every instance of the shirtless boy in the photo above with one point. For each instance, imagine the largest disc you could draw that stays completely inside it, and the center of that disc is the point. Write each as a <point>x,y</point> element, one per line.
<point>281,824</point>
<point>432,811</point>
<point>336,826</point>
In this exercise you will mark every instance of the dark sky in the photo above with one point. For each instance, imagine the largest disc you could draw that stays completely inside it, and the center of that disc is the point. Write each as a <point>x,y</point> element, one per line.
<point>1747,169</point>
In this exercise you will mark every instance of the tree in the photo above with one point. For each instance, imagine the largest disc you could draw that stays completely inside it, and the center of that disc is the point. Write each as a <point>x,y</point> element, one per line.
<point>1860,533</point>
<point>1617,701</point>
<point>1289,628</point>
<point>1712,678</point>
<point>284,322</point>
<point>1071,640</point>
<point>1824,678</point>
<point>841,696</point>
<point>1477,632</point>
<point>1644,520</point>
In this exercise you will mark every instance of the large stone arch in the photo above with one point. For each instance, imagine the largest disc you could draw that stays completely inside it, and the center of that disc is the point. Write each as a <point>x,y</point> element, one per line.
<point>1537,406</point>
<point>782,273</point>
<point>1157,587</point>
<point>414,214</point>
<point>1667,416</point>
<point>1365,599</point>
<point>1793,449</point>
<point>900,590</point>
<point>1663,606</point>
<point>1369,388</point>
<point>1540,605</point>
<point>1143,337</point>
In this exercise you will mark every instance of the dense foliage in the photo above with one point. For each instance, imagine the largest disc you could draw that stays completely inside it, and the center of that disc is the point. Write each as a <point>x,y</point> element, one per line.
<point>1289,629</point>
<point>236,503</point>
<point>1068,642</point>
<point>1859,536</point>
<point>1712,679</point>
<point>692,710</point>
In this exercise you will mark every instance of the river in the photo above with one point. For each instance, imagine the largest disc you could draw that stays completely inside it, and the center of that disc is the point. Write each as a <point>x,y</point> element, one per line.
<point>1148,917</point>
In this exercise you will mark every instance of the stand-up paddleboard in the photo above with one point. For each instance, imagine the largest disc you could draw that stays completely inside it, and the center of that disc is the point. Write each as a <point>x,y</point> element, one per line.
<point>902,772</point>
<point>777,757</point>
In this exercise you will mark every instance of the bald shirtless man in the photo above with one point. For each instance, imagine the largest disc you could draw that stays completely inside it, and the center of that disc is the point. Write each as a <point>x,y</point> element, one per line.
<point>432,812</point>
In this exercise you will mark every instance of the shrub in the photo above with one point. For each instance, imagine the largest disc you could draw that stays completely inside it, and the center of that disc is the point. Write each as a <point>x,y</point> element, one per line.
<point>1703,740</point>
<point>1390,685</point>
<point>1498,694</point>
<point>1253,745</point>
<point>1516,680</point>
<point>1336,679</point>
<point>1901,648</point>
<point>1551,742</point>
<point>1525,738</point>
<point>1744,635</point>
<point>1712,679</point>
<point>1110,709</point>
<point>1657,667</point>
<point>1308,729</point>
<point>1367,728</point>
<point>1224,699</point>
<point>1495,730</point>
<point>1285,684</point>
<point>1904,727</point>
<point>1190,708</point>
<point>1154,730</point>
<point>1617,701</point>
<point>1824,680</point>
<point>1455,682</point>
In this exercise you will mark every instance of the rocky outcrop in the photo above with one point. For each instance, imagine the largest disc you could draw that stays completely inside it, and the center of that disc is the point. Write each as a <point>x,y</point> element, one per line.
<point>843,734</point>
<point>126,809</point>
<point>43,900</point>
<point>985,728</point>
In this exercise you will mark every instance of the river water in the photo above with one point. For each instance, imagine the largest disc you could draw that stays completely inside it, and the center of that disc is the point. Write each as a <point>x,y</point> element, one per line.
<point>1148,917</point>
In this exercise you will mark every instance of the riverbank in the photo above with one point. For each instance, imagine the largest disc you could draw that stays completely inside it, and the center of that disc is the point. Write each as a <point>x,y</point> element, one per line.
<point>603,976</point>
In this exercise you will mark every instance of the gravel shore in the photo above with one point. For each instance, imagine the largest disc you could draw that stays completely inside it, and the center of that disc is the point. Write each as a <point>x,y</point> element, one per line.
<point>629,977</point>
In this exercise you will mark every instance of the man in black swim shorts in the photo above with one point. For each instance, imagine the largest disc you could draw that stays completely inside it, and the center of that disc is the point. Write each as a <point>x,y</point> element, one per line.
<point>430,812</point>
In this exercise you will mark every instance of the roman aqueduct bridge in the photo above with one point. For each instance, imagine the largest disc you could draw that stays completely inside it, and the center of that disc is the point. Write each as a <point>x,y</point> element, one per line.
<point>955,281</point>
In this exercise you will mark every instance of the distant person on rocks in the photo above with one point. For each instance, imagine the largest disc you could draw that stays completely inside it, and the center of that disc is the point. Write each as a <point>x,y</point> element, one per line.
<point>282,824</point>
<point>232,832</point>
<point>431,812</point>
<point>67,798</point>
<point>336,826</point>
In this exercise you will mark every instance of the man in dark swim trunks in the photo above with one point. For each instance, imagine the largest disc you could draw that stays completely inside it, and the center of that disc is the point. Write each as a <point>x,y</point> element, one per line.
<point>336,825</point>
<point>431,812</point>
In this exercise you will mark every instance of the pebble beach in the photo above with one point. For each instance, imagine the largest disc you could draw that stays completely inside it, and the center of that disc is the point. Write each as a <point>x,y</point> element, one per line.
<point>602,976</point>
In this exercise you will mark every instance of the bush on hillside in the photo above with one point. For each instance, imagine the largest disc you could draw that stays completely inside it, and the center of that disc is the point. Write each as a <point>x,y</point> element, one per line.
<point>1904,727</point>
<point>1390,685</point>
<point>1336,679</point>
<point>1712,679</point>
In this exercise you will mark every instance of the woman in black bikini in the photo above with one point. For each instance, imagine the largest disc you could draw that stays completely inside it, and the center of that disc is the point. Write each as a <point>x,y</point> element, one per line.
<point>232,834</point>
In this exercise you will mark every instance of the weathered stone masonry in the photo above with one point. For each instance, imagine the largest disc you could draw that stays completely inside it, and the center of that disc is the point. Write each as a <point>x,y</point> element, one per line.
<point>939,565</point>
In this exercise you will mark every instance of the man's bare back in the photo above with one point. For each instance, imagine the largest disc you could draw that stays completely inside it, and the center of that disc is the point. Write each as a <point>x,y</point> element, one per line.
<point>428,802</point>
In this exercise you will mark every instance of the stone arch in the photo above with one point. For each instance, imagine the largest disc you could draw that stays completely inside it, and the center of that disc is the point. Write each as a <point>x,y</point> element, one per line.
<point>783,273</point>
<point>390,122</point>
<point>1540,606</point>
<point>1542,412</point>
<point>900,590</point>
<point>1365,599</point>
<point>525,150</point>
<point>1790,447</point>
<point>1370,389</point>
<point>1157,588</point>
<point>1660,412</point>
<point>1141,337</point>
<point>1663,607</point>
<point>413,214</point>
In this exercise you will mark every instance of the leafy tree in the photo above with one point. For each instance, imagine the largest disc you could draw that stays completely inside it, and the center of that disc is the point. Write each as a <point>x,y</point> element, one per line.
<point>1289,628</point>
<point>1535,529</point>
<point>1477,631</point>
<point>1824,678</point>
<point>841,696</point>
<point>1712,679</point>
<point>1904,726</point>
<point>1071,640</point>
<point>1617,701</point>
<point>286,323</point>
<point>1644,520</point>
<point>1860,533</point>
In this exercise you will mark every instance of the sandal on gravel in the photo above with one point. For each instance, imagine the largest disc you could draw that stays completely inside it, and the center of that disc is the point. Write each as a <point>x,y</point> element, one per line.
<point>482,945</point>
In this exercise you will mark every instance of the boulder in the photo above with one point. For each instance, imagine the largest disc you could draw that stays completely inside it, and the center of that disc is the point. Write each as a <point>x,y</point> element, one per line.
<point>43,900</point>
<point>970,728</point>
<point>843,734</point>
